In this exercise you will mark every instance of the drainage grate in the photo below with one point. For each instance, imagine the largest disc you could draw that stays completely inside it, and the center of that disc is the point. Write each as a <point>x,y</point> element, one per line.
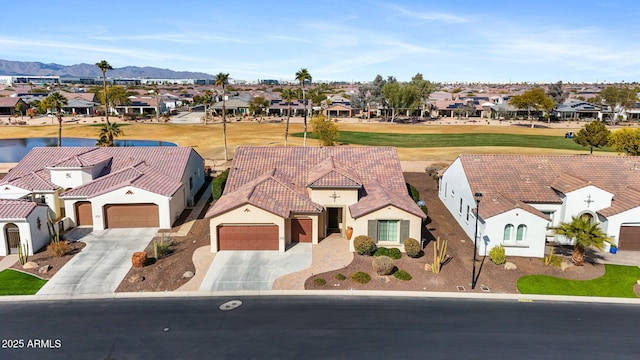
<point>460,288</point>
<point>230,305</point>
<point>484,288</point>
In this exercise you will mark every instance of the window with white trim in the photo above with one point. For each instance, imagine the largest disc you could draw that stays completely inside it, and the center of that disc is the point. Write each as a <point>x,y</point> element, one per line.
<point>521,233</point>
<point>508,233</point>
<point>387,230</point>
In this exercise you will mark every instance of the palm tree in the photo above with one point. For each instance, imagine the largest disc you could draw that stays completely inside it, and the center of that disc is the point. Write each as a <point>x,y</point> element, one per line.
<point>287,94</point>
<point>585,233</point>
<point>104,66</point>
<point>221,80</point>
<point>207,100</point>
<point>302,76</point>
<point>56,101</point>
<point>107,133</point>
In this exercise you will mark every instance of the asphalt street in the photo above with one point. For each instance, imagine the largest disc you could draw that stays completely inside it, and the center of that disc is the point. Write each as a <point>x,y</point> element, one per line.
<point>310,327</point>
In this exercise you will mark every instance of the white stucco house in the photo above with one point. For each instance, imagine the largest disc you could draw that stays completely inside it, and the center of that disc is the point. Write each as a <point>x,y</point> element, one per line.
<point>23,222</point>
<point>276,196</point>
<point>107,187</point>
<point>524,196</point>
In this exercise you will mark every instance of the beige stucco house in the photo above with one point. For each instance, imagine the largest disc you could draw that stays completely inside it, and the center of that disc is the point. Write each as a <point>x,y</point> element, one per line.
<point>277,196</point>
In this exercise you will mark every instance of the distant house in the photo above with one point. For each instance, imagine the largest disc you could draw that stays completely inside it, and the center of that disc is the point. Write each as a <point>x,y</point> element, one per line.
<point>277,196</point>
<point>232,106</point>
<point>8,106</point>
<point>108,187</point>
<point>280,107</point>
<point>524,197</point>
<point>143,105</point>
<point>574,109</point>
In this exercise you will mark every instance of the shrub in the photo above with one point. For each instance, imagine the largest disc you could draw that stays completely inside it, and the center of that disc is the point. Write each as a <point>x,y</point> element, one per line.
<point>390,252</point>
<point>364,245</point>
<point>402,275</point>
<point>498,255</point>
<point>320,281</point>
<point>58,248</point>
<point>415,194</point>
<point>340,277</point>
<point>412,247</point>
<point>162,247</point>
<point>383,265</point>
<point>218,183</point>
<point>552,259</point>
<point>432,171</point>
<point>360,277</point>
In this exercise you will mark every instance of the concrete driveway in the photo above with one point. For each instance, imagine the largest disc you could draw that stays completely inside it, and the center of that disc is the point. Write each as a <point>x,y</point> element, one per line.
<point>254,270</point>
<point>102,264</point>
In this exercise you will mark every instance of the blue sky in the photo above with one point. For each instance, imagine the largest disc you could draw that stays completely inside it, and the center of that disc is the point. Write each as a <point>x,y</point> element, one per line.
<point>483,41</point>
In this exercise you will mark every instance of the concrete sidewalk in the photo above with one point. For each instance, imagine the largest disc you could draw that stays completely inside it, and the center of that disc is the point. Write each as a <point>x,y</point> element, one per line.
<point>102,264</point>
<point>8,261</point>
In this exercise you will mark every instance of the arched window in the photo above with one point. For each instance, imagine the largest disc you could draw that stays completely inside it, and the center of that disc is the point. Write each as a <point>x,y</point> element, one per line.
<point>521,232</point>
<point>508,233</point>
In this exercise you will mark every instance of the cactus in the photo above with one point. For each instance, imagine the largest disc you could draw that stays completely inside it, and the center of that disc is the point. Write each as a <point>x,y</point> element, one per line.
<point>439,254</point>
<point>23,253</point>
<point>549,258</point>
<point>53,234</point>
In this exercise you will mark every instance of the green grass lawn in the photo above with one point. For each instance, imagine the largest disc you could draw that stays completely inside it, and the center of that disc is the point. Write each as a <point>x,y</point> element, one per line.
<point>17,283</point>
<point>455,140</point>
<point>618,281</point>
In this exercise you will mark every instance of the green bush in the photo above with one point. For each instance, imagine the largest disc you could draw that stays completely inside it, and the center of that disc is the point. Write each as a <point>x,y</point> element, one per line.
<point>390,252</point>
<point>364,245</point>
<point>218,183</point>
<point>383,265</point>
<point>360,277</point>
<point>340,277</point>
<point>415,194</point>
<point>412,247</point>
<point>402,275</point>
<point>498,255</point>
<point>320,281</point>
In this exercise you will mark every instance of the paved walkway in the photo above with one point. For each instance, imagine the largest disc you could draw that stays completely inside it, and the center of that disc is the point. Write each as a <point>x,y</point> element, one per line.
<point>8,261</point>
<point>621,258</point>
<point>330,254</point>
<point>102,264</point>
<point>202,259</point>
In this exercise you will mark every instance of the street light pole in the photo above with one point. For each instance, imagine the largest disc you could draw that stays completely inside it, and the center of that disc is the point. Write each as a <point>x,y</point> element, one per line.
<point>478,197</point>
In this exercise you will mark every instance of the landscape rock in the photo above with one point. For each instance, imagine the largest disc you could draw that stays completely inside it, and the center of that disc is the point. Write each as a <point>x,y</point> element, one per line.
<point>188,275</point>
<point>565,265</point>
<point>44,269</point>
<point>135,278</point>
<point>30,265</point>
<point>427,267</point>
<point>510,266</point>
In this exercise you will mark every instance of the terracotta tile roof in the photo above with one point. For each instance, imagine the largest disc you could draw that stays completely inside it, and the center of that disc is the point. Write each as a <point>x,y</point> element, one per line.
<point>89,158</point>
<point>17,209</point>
<point>377,197</point>
<point>252,178</point>
<point>8,101</point>
<point>625,200</point>
<point>496,203</point>
<point>532,179</point>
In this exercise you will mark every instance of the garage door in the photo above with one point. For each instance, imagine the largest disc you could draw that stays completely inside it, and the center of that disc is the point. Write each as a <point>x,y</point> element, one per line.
<point>629,238</point>
<point>301,230</point>
<point>84,215</point>
<point>250,237</point>
<point>131,215</point>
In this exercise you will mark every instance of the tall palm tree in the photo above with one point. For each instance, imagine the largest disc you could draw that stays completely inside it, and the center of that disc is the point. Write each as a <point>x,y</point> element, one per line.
<point>302,76</point>
<point>288,95</point>
<point>585,233</point>
<point>104,66</point>
<point>56,101</point>
<point>221,80</point>
<point>107,133</point>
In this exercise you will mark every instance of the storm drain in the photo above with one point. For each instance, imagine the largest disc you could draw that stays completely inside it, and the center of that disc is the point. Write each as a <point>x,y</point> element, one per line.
<point>230,305</point>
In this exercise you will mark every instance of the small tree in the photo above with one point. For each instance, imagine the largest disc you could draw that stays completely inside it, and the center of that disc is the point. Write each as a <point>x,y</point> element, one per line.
<point>594,134</point>
<point>326,130</point>
<point>56,101</point>
<point>626,140</point>
<point>534,99</point>
<point>619,99</point>
<point>584,233</point>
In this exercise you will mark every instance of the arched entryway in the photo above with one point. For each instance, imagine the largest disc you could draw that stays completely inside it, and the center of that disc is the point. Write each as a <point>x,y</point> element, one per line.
<point>12,236</point>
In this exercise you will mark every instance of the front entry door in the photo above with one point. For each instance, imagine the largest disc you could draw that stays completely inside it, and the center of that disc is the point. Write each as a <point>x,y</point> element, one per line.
<point>334,219</point>
<point>12,234</point>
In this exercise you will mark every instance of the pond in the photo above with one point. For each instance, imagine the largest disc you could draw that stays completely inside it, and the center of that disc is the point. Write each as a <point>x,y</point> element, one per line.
<point>13,150</point>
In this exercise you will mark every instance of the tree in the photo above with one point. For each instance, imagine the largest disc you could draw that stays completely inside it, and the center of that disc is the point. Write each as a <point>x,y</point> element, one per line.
<point>107,132</point>
<point>56,101</point>
<point>619,99</point>
<point>626,140</point>
<point>556,93</point>
<point>392,95</point>
<point>288,95</point>
<point>325,130</point>
<point>258,104</point>
<point>594,134</point>
<point>425,88</point>
<point>303,75</point>
<point>585,233</point>
<point>360,99</point>
<point>18,109</point>
<point>533,99</point>
<point>104,66</point>
<point>221,80</point>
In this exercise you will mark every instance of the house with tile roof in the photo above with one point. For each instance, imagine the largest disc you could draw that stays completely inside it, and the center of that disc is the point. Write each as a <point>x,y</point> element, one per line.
<point>278,196</point>
<point>108,187</point>
<point>524,197</point>
<point>23,222</point>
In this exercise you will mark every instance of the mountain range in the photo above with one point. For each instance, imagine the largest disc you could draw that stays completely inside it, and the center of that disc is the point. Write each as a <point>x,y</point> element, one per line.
<point>18,68</point>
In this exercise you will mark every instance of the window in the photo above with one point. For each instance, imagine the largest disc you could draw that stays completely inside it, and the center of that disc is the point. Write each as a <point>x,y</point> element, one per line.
<point>190,183</point>
<point>508,233</point>
<point>521,232</point>
<point>549,214</point>
<point>453,193</point>
<point>445,190</point>
<point>468,212</point>
<point>387,230</point>
<point>460,210</point>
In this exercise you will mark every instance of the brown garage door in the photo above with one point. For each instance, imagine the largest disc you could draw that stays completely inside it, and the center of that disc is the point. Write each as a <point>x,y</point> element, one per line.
<point>250,237</point>
<point>629,238</point>
<point>131,215</point>
<point>301,230</point>
<point>84,215</point>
